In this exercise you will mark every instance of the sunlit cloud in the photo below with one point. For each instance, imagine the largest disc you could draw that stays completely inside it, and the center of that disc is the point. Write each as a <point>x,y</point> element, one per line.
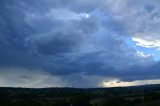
<point>147,40</point>
<point>63,14</point>
<point>117,83</point>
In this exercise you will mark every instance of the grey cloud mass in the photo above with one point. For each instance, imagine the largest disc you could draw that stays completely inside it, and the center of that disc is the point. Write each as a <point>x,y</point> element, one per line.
<point>78,40</point>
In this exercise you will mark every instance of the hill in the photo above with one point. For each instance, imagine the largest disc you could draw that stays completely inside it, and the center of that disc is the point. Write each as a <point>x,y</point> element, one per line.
<point>119,96</point>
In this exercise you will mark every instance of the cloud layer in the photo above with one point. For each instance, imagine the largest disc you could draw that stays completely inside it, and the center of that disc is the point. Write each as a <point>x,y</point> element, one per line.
<point>79,40</point>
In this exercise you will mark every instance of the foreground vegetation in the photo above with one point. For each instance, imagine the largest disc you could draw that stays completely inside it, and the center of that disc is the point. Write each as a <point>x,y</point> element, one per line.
<point>128,96</point>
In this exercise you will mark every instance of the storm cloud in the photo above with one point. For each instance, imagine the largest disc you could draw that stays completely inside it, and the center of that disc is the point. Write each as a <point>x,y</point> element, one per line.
<point>79,40</point>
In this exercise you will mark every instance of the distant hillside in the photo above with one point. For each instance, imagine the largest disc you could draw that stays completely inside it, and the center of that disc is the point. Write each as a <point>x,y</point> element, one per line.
<point>119,96</point>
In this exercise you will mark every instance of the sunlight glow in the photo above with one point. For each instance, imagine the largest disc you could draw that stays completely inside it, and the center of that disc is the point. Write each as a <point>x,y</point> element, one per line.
<point>117,83</point>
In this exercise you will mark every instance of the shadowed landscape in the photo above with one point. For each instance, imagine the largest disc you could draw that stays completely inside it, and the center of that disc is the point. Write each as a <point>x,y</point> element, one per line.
<point>147,95</point>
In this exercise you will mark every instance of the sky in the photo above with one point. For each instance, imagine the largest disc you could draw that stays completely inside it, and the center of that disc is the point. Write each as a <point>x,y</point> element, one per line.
<point>79,43</point>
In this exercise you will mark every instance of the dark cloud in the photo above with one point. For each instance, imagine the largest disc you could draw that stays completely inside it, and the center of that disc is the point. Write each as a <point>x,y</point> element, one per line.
<point>149,8</point>
<point>76,40</point>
